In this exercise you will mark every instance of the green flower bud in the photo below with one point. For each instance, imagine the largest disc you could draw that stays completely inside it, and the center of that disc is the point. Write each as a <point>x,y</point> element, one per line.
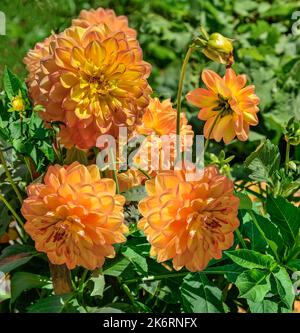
<point>216,47</point>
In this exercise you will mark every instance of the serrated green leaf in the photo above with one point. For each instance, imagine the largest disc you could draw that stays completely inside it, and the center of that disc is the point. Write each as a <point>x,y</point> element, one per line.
<point>99,284</point>
<point>286,216</point>
<point>245,201</point>
<point>284,287</point>
<point>263,162</point>
<point>266,306</point>
<point>199,295</point>
<point>51,304</point>
<point>22,281</point>
<point>139,262</point>
<point>11,83</point>
<point>251,259</point>
<point>116,268</point>
<point>254,284</point>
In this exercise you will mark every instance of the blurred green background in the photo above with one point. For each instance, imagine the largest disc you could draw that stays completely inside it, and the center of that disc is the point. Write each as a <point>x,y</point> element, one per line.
<point>265,47</point>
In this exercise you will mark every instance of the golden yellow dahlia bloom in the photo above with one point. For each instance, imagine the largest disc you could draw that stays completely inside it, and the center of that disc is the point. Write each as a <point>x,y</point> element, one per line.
<point>190,222</point>
<point>227,105</point>
<point>160,120</point>
<point>75,217</point>
<point>93,80</point>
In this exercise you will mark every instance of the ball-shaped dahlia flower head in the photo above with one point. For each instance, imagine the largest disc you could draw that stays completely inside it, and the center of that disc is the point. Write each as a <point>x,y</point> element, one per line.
<point>93,80</point>
<point>189,221</point>
<point>100,15</point>
<point>158,150</point>
<point>74,216</point>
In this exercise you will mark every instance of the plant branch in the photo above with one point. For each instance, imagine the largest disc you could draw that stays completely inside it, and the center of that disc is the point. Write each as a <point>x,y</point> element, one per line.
<point>9,177</point>
<point>179,95</point>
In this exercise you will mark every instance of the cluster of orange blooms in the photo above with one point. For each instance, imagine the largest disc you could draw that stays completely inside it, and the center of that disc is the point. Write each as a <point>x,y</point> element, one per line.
<point>92,79</point>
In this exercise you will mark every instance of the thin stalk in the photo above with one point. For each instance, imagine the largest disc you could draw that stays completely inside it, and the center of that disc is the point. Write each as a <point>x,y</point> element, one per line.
<point>9,177</point>
<point>115,173</point>
<point>16,216</point>
<point>209,134</point>
<point>287,156</point>
<point>168,276</point>
<point>179,94</point>
<point>145,173</point>
<point>241,239</point>
<point>28,167</point>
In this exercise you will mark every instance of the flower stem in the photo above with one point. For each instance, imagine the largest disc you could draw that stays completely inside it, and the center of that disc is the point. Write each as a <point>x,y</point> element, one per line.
<point>241,239</point>
<point>27,162</point>
<point>209,134</point>
<point>9,177</point>
<point>179,94</point>
<point>115,173</point>
<point>16,216</point>
<point>61,279</point>
<point>145,173</point>
<point>287,156</point>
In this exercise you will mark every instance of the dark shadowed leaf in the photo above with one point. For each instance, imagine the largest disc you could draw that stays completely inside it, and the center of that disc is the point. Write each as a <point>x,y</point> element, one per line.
<point>199,295</point>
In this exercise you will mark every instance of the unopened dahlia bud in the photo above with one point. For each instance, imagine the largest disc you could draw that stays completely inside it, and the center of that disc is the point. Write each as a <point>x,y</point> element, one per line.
<point>219,49</point>
<point>216,47</point>
<point>292,132</point>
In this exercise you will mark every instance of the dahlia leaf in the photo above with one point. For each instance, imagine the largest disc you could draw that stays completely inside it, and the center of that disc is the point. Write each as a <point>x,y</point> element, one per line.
<point>11,83</point>
<point>284,287</point>
<point>51,304</point>
<point>286,216</point>
<point>139,262</point>
<point>116,268</point>
<point>99,284</point>
<point>263,162</point>
<point>266,306</point>
<point>22,281</point>
<point>199,295</point>
<point>251,259</point>
<point>254,284</point>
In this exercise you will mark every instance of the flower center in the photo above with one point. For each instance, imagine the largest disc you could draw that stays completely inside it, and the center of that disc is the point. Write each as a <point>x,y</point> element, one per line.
<point>224,106</point>
<point>97,83</point>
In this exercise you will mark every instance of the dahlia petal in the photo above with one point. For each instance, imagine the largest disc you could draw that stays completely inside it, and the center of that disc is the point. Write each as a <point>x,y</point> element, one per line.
<point>211,79</point>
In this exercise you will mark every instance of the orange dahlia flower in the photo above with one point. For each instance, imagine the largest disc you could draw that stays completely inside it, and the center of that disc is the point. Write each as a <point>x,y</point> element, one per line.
<point>75,217</point>
<point>93,80</point>
<point>190,222</point>
<point>158,120</point>
<point>227,106</point>
<point>100,15</point>
<point>130,178</point>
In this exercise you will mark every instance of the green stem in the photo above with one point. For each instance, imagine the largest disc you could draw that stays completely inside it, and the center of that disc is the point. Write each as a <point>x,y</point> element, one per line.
<point>263,235</point>
<point>241,239</point>
<point>287,156</point>
<point>179,94</point>
<point>9,177</point>
<point>16,216</point>
<point>26,159</point>
<point>115,173</point>
<point>144,173</point>
<point>209,134</point>
<point>167,276</point>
